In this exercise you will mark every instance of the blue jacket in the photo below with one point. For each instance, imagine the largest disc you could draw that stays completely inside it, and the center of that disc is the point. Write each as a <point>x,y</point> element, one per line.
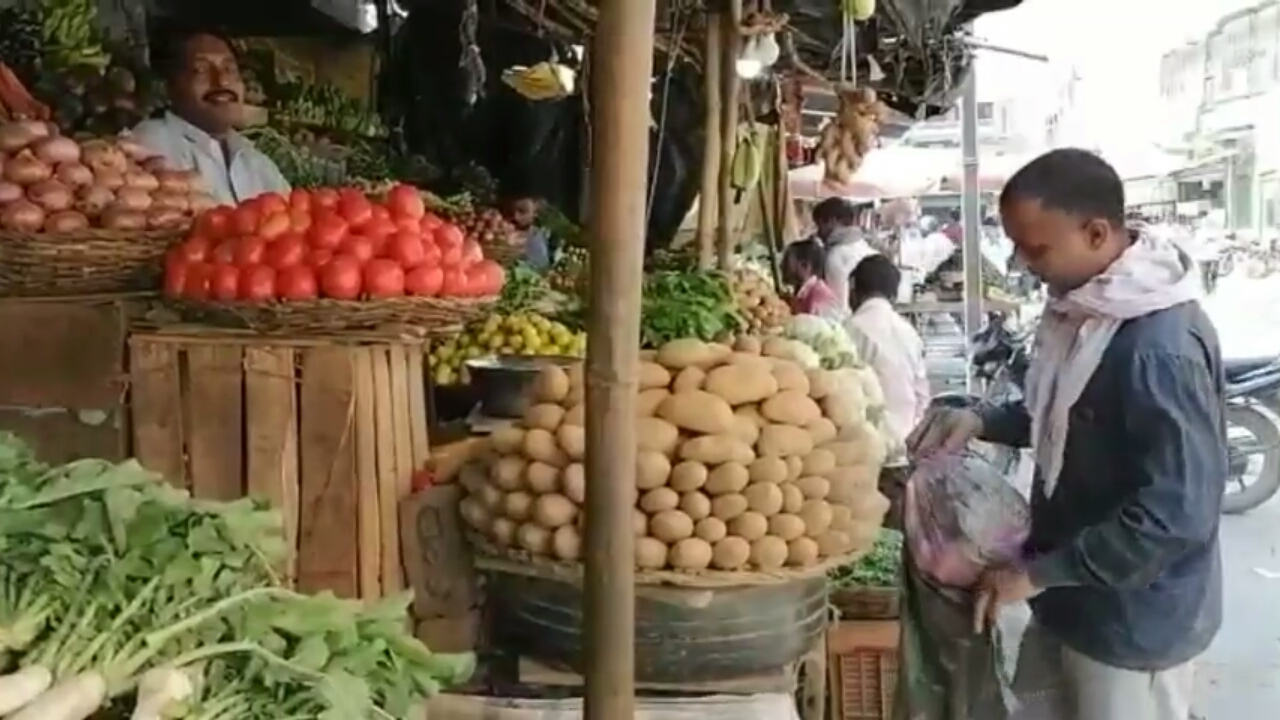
<point>1127,546</point>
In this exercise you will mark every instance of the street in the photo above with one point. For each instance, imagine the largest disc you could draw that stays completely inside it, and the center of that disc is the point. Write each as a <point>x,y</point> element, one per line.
<point>1240,677</point>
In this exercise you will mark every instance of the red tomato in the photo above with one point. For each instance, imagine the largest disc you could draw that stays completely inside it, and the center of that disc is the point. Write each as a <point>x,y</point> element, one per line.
<point>272,203</point>
<point>274,225</point>
<point>406,249</point>
<point>424,280</point>
<point>297,283</point>
<point>432,253</point>
<point>224,284</point>
<point>245,219</point>
<point>249,250</point>
<point>286,251</point>
<point>448,235</point>
<point>326,198</point>
<point>299,220</point>
<point>327,231</point>
<point>215,223</point>
<point>430,222</point>
<point>379,213</point>
<point>376,228</point>
<point>258,283</point>
<point>486,278</point>
<point>199,277</point>
<point>471,253</point>
<point>450,255</point>
<point>383,278</point>
<point>359,247</point>
<point>409,225</point>
<point>224,253</point>
<point>175,276</point>
<point>405,201</point>
<point>455,283</point>
<point>340,279</point>
<point>300,199</point>
<point>354,207</point>
<point>319,258</point>
<point>195,249</point>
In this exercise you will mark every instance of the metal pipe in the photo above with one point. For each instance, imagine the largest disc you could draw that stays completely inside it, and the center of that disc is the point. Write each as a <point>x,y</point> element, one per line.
<point>970,209</point>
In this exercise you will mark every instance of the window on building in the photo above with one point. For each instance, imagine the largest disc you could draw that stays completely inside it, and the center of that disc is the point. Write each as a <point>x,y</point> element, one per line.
<point>986,111</point>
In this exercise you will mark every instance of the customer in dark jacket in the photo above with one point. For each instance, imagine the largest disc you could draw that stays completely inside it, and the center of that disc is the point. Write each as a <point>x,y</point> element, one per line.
<point>1124,413</point>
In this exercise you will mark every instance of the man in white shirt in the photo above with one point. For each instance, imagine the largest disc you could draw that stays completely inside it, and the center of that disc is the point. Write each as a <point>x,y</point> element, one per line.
<point>893,349</point>
<point>837,222</point>
<point>207,97</point>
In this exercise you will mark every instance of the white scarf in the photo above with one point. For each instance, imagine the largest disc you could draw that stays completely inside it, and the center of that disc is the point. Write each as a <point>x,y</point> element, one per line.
<point>1153,274</point>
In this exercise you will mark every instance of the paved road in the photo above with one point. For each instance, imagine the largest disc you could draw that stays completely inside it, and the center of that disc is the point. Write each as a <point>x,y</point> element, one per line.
<point>1240,677</point>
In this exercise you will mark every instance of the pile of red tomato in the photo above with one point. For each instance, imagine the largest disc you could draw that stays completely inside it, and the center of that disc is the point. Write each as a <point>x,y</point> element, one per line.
<point>328,243</point>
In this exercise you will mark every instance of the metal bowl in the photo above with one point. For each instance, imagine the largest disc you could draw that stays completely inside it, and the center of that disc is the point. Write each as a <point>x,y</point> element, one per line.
<point>502,381</point>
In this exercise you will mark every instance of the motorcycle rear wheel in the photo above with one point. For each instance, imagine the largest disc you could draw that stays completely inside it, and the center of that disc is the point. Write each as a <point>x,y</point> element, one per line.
<point>1267,435</point>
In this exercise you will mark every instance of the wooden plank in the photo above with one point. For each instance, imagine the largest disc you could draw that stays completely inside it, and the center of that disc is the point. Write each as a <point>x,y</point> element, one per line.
<point>327,530</point>
<point>214,421</point>
<point>61,354</point>
<point>370,521</point>
<point>388,471</point>
<point>155,407</point>
<point>418,415</point>
<point>398,364</point>
<point>271,436</point>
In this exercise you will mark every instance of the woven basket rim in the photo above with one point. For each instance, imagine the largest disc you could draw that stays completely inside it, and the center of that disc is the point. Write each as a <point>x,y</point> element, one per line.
<point>89,235</point>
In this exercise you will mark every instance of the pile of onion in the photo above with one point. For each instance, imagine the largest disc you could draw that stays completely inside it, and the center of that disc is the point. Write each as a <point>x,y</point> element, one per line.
<point>51,183</point>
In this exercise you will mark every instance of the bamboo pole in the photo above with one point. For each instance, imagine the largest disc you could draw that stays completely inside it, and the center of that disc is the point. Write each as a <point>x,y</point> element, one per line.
<point>621,75</point>
<point>729,47</point>
<point>709,196</point>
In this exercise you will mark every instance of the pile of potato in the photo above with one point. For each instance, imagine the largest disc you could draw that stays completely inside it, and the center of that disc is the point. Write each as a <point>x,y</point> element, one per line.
<point>746,461</point>
<point>759,302</point>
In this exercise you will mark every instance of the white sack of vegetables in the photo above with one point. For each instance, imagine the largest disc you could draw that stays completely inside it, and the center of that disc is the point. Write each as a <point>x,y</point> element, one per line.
<point>117,588</point>
<point>741,466</point>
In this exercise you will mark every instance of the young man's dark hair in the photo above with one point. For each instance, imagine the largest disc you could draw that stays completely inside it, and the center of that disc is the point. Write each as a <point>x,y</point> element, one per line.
<point>875,276</point>
<point>1064,212</point>
<point>835,210</point>
<point>801,260</point>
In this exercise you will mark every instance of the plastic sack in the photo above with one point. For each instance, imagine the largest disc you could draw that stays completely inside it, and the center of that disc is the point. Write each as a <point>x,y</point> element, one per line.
<point>960,516</point>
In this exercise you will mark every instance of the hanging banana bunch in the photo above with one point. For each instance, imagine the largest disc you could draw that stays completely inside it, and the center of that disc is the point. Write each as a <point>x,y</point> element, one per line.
<point>851,134</point>
<point>846,140</point>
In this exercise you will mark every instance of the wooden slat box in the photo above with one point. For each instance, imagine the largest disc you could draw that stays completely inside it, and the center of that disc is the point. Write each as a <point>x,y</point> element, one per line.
<point>328,429</point>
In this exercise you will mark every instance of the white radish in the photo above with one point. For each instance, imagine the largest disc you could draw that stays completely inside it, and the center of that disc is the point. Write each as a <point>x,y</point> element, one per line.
<point>73,699</point>
<point>161,692</point>
<point>19,688</point>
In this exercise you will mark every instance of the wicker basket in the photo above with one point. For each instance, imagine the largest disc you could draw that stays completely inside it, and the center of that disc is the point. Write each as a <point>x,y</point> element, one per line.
<point>867,603</point>
<point>325,315</point>
<point>503,253</point>
<point>862,659</point>
<point>82,263</point>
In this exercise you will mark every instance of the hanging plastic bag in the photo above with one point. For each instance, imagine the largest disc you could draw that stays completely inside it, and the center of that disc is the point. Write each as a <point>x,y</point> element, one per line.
<point>961,515</point>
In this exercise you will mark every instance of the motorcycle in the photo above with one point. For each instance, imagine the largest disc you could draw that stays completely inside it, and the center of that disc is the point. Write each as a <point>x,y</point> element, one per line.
<point>1253,432</point>
<point>1001,358</point>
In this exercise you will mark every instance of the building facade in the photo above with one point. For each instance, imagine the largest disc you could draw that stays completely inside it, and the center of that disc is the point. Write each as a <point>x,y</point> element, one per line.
<point>1221,96</point>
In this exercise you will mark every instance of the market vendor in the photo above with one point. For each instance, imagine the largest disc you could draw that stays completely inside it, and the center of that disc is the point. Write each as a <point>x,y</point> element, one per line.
<point>521,210</point>
<point>837,222</point>
<point>198,133</point>
<point>890,346</point>
<point>802,265</point>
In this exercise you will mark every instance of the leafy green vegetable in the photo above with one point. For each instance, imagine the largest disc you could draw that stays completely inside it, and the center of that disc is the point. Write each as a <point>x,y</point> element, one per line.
<point>878,568</point>
<point>524,290</point>
<point>109,572</point>
<point>687,304</point>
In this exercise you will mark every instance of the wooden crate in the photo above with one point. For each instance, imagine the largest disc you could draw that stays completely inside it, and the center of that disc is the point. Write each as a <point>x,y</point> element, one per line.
<point>329,430</point>
<point>862,657</point>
